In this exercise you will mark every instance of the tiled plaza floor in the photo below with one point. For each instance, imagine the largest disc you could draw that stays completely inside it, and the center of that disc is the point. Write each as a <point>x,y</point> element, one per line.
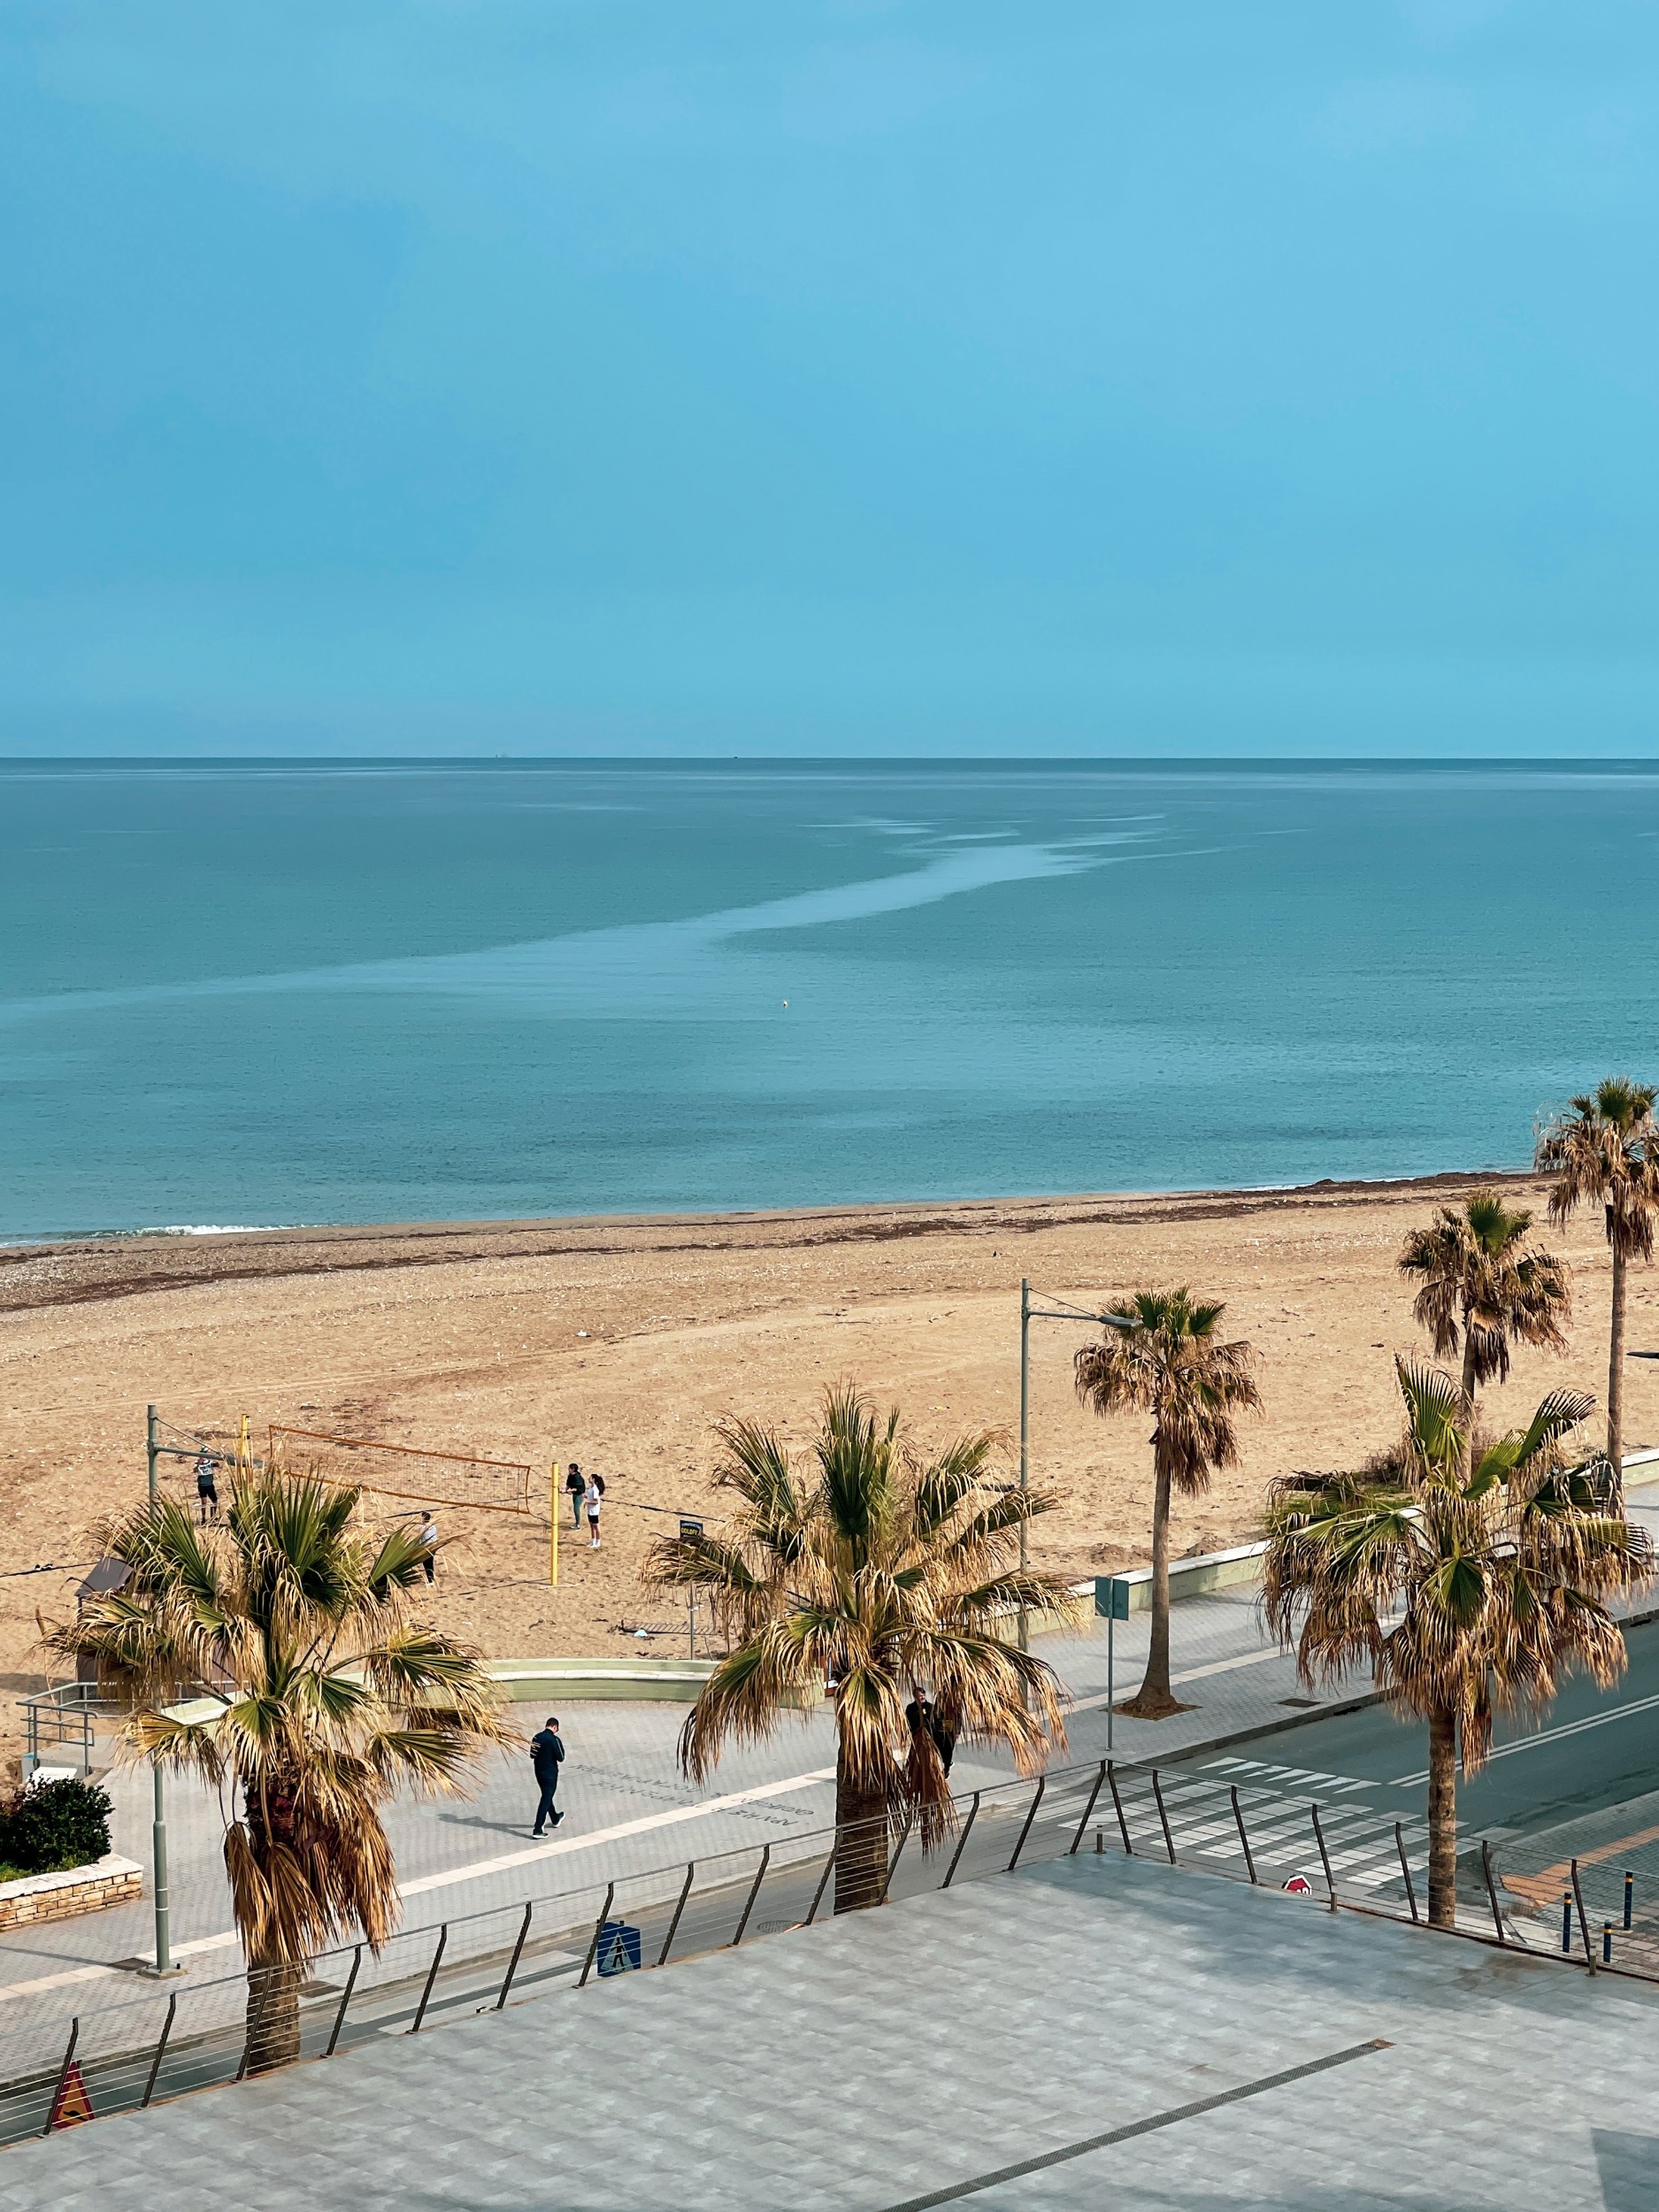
<point>905,2057</point>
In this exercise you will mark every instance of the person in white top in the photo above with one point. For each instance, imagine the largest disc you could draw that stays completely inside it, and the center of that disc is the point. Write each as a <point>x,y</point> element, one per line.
<point>428,1534</point>
<point>591,1496</point>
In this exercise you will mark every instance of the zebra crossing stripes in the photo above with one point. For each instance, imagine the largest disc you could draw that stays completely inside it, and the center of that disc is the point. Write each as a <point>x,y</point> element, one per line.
<point>1276,1801</point>
<point>1299,1777</point>
<point>1359,1839</point>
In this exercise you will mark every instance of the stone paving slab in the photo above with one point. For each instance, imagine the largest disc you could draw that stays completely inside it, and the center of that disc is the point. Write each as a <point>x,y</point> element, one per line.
<point>890,2056</point>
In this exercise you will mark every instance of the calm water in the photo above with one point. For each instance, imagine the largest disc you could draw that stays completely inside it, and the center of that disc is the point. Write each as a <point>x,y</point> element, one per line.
<point>291,993</point>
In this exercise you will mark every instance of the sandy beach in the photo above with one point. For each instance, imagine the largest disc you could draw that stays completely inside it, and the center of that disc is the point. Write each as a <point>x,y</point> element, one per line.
<point>620,1342</point>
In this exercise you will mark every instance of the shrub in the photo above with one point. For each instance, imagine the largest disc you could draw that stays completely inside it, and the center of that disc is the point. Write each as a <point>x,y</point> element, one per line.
<point>55,1826</point>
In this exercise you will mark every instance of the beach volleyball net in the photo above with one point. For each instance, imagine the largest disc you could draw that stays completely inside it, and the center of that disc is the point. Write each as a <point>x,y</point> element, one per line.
<point>410,1473</point>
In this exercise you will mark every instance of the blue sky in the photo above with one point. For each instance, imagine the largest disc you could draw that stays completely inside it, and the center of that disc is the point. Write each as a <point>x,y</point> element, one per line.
<point>789,376</point>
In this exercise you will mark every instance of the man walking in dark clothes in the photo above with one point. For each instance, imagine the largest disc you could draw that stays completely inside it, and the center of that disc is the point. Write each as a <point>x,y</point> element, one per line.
<point>547,1753</point>
<point>575,1483</point>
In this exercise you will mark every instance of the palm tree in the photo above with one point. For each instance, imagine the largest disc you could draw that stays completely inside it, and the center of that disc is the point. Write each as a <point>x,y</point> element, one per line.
<point>325,1695</point>
<point>1485,1286</point>
<point>1160,1354</point>
<point>881,1576</point>
<point>1499,1573</point>
<point>1605,1151</point>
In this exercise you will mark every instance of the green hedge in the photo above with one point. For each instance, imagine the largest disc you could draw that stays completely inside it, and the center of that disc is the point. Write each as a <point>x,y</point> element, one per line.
<point>54,1826</point>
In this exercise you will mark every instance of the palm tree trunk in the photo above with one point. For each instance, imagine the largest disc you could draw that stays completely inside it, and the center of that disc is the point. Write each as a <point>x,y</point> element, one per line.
<point>861,1840</point>
<point>1154,1698</point>
<point>273,2015</point>
<point>1469,1374</point>
<point>1615,1375</point>
<point>1442,1820</point>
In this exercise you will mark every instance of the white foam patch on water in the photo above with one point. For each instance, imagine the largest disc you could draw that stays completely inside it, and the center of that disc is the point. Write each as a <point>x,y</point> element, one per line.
<point>635,967</point>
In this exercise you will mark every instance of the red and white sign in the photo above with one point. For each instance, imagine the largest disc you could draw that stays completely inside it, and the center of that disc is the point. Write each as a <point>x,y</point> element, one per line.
<point>1299,1886</point>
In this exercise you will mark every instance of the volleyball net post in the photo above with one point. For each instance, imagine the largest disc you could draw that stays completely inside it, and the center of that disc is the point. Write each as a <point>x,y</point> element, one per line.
<point>553,1525</point>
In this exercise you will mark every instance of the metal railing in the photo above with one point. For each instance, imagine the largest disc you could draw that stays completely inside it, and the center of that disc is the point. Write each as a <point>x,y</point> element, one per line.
<point>1340,1854</point>
<point>60,1721</point>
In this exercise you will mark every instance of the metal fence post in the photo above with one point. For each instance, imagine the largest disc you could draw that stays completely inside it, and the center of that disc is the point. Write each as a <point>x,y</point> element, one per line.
<point>339,2018</point>
<point>1100,1781</point>
<point>432,1976</point>
<point>1238,1814</point>
<point>161,2046</point>
<point>1492,1888</point>
<point>592,1941</point>
<point>62,2074</point>
<point>1584,1925</point>
<point>749,1902</point>
<point>1123,1825</point>
<point>892,1864</point>
<point>822,1881</point>
<point>673,1925</point>
<point>1042,1784</point>
<point>258,1983</point>
<point>517,1952</point>
<point>1324,1856</point>
<point>962,1841</point>
<point>1405,1867</point>
<point>1169,1840</point>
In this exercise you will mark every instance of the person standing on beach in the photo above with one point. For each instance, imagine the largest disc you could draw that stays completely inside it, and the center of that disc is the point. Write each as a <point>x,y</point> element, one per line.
<point>591,1496</point>
<point>427,1533</point>
<point>547,1755</point>
<point>575,1483</point>
<point>206,1488</point>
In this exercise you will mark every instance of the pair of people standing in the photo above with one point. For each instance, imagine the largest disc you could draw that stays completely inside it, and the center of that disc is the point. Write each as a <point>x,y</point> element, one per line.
<point>584,1493</point>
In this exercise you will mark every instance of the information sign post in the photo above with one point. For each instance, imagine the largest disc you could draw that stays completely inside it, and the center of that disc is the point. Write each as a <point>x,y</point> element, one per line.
<point>1111,1598</point>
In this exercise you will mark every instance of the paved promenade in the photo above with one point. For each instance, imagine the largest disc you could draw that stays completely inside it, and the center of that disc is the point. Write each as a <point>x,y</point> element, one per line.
<point>628,1806</point>
<point>629,1810</point>
<point>1097,2031</point>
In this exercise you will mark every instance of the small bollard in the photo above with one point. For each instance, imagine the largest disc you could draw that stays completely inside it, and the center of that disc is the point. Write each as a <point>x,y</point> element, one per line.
<point>1566,1920</point>
<point>1630,1893</point>
<point>1607,1943</point>
<point>1100,1846</point>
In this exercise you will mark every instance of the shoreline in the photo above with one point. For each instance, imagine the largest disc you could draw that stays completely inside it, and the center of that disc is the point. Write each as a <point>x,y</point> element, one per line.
<point>129,1262</point>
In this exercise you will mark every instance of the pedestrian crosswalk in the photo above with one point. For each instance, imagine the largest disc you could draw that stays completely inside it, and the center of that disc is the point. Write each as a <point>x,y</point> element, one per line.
<point>1362,1843</point>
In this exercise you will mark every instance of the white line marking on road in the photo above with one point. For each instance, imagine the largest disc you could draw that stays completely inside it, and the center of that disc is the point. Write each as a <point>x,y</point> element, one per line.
<point>561,1846</point>
<point>1548,1735</point>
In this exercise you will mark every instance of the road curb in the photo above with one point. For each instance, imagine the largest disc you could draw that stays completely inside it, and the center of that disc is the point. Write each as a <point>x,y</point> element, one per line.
<point>1278,1727</point>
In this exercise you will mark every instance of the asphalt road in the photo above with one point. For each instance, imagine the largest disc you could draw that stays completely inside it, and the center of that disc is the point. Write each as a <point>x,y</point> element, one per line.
<point>1589,1751</point>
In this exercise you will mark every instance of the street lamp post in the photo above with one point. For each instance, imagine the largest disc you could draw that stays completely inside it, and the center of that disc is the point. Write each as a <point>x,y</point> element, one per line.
<point>158,1827</point>
<point>1028,1313</point>
<point>1024,1441</point>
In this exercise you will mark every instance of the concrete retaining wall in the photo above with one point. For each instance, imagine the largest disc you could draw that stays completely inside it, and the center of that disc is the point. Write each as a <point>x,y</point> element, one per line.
<point>1189,1578</point>
<point>644,1680</point>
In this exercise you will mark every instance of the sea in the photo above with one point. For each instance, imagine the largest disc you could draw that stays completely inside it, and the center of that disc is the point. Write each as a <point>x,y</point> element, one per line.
<point>261,994</point>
